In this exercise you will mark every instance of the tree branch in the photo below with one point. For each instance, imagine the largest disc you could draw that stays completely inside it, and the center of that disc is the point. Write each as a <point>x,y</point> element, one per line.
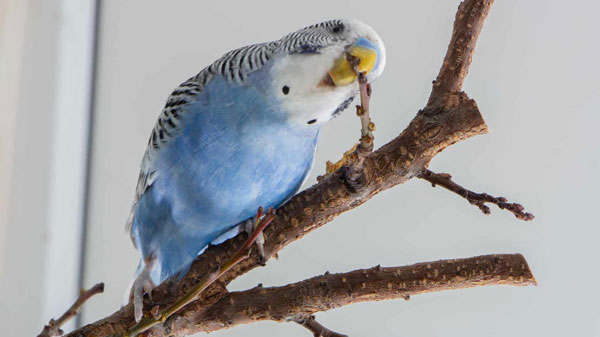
<point>330,291</point>
<point>477,199</point>
<point>467,26</point>
<point>354,164</point>
<point>53,327</point>
<point>449,117</point>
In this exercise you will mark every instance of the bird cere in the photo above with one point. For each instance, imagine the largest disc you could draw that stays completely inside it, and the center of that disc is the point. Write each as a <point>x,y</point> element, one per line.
<point>241,135</point>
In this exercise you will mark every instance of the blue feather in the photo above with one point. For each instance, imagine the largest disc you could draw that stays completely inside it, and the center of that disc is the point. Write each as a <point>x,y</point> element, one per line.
<point>234,152</point>
<point>225,144</point>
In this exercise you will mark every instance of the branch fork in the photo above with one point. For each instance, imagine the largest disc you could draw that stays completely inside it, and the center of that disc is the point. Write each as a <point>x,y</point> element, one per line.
<point>53,328</point>
<point>315,327</point>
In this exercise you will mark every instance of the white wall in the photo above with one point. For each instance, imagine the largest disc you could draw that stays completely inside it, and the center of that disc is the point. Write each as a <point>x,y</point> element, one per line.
<point>23,248</point>
<point>12,25</point>
<point>46,50</point>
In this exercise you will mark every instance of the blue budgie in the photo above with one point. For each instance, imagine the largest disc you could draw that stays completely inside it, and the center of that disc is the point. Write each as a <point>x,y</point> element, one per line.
<point>240,134</point>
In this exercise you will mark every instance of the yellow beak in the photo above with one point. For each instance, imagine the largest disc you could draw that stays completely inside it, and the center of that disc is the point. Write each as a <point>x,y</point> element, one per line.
<point>342,73</point>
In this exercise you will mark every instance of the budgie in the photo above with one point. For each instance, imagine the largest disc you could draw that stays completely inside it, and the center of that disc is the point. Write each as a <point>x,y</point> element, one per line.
<point>240,134</point>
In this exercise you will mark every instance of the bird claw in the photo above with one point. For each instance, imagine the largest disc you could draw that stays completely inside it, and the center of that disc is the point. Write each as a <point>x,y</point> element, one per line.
<point>142,284</point>
<point>260,243</point>
<point>148,286</point>
<point>249,227</point>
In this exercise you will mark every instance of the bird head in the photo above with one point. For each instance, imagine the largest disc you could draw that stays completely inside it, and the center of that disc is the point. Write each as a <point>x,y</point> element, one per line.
<point>311,74</point>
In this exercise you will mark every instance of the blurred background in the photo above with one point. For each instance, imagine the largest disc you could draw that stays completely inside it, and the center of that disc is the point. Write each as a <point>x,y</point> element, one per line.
<point>82,82</point>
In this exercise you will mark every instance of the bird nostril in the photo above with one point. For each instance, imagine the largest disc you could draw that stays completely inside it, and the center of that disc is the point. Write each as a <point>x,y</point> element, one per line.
<point>312,121</point>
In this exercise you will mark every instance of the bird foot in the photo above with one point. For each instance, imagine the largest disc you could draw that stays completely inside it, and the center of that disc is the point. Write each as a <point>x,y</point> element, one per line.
<point>142,284</point>
<point>249,227</point>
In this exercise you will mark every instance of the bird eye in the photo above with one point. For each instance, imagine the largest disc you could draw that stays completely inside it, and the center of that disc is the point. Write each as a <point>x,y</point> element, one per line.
<point>312,121</point>
<point>285,90</point>
<point>338,29</point>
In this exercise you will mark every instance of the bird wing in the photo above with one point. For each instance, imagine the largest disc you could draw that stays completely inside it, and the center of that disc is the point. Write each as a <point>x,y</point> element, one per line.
<point>233,66</point>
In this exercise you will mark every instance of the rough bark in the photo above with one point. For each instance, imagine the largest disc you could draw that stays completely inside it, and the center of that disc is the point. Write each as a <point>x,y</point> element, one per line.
<point>329,291</point>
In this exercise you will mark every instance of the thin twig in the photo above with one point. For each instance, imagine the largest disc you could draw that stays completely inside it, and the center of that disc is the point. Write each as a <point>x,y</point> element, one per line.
<point>159,316</point>
<point>354,158</point>
<point>316,328</point>
<point>477,199</point>
<point>362,110</point>
<point>354,172</point>
<point>53,327</point>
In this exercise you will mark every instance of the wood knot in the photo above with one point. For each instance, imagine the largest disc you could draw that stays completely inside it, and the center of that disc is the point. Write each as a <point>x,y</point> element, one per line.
<point>354,181</point>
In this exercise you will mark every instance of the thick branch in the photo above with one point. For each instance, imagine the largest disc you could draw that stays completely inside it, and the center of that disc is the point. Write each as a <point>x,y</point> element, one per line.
<point>331,291</point>
<point>477,199</point>
<point>449,117</point>
<point>53,327</point>
<point>467,26</point>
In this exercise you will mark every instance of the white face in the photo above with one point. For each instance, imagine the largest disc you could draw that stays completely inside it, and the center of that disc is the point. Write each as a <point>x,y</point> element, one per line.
<point>300,80</point>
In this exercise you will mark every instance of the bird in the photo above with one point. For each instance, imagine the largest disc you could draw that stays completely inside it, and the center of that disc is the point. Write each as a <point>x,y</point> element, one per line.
<point>240,134</point>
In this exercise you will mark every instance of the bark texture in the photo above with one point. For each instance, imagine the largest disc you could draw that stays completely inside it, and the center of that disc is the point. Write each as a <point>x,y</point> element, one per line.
<point>329,291</point>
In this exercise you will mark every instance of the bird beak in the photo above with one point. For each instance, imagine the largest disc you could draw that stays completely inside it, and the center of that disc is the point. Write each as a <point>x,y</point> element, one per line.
<point>342,72</point>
